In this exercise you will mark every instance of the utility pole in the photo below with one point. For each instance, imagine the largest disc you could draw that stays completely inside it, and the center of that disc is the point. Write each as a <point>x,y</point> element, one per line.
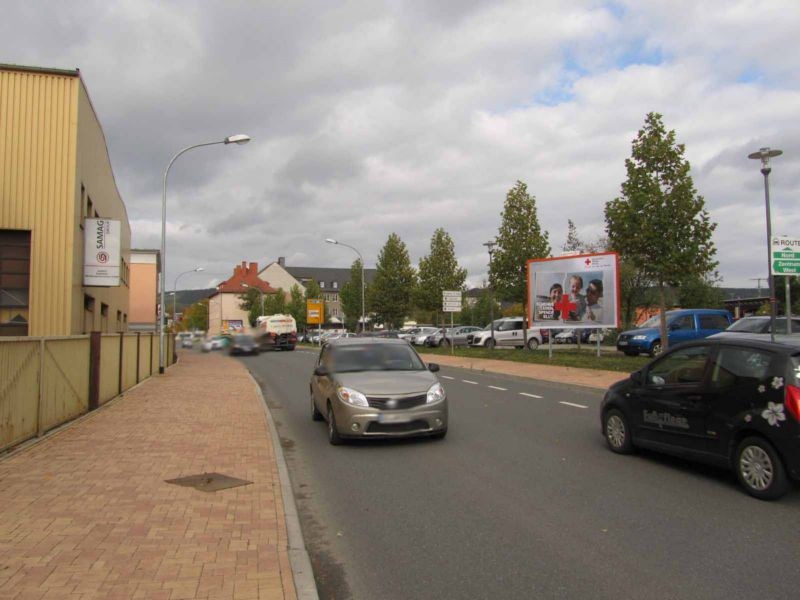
<point>758,280</point>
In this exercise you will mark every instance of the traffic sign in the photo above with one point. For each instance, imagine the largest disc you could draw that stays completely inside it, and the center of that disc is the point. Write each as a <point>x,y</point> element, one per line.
<point>315,310</point>
<point>785,255</point>
<point>451,307</point>
<point>452,295</point>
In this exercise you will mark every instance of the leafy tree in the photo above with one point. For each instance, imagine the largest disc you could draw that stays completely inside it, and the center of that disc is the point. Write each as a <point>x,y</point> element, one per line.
<point>659,223</point>
<point>439,271</point>
<point>195,317</point>
<point>250,301</point>
<point>275,304</point>
<point>701,292</point>
<point>390,292</point>
<point>520,238</point>
<point>350,296</point>
<point>297,307</point>
<point>480,313</point>
<point>573,243</point>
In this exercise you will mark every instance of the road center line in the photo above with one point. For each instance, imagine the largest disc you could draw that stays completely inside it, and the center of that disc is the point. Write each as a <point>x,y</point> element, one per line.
<point>575,405</point>
<point>469,382</point>
<point>531,395</point>
<point>446,377</point>
<point>494,387</point>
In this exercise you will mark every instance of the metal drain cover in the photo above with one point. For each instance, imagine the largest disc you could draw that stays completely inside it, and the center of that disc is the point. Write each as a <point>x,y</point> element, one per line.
<point>209,482</point>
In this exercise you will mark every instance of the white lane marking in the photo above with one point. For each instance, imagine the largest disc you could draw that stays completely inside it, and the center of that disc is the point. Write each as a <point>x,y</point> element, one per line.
<point>446,377</point>
<point>494,387</point>
<point>469,382</point>
<point>531,395</point>
<point>575,405</point>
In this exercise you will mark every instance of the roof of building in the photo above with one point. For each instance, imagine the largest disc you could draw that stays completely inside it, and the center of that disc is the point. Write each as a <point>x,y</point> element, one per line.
<point>43,70</point>
<point>245,274</point>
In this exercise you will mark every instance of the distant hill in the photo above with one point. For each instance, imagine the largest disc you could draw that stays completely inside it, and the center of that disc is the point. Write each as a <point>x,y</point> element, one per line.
<point>186,298</point>
<point>734,293</point>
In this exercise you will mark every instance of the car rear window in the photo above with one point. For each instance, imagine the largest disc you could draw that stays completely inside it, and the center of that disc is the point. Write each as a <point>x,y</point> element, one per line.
<point>375,357</point>
<point>713,322</point>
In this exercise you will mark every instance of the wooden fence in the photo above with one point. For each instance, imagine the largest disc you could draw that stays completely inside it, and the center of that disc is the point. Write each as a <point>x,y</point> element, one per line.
<point>45,382</point>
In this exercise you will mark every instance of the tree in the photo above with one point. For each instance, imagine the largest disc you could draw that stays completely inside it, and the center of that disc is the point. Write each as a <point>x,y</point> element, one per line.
<point>520,238</point>
<point>195,317</point>
<point>573,243</point>
<point>275,304</point>
<point>659,223</point>
<point>390,292</point>
<point>701,292</point>
<point>439,271</point>
<point>480,313</point>
<point>251,302</point>
<point>350,296</point>
<point>297,307</point>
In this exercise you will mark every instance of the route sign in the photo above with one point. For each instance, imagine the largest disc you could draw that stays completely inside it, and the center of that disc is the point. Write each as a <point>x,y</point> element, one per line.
<point>785,255</point>
<point>315,311</point>
<point>451,301</point>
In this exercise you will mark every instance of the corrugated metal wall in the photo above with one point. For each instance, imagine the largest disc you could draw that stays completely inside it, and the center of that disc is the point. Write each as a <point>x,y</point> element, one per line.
<point>38,129</point>
<point>109,366</point>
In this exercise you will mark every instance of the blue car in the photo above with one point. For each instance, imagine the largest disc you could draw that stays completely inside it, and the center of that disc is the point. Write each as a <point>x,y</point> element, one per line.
<point>682,326</point>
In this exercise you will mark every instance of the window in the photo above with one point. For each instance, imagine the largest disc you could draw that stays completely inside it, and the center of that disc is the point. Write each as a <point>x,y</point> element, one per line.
<point>335,285</point>
<point>321,284</point>
<point>119,320</point>
<point>104,317</point>
<point>683,323</point>
<point>679,367</point>
<point>713,322</point>
<point>15,252</point>
<point>739,367</point>
<point>88,313</point>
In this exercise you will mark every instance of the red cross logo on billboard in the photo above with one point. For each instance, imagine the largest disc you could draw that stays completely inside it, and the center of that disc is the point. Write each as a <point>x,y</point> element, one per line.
<point>588,261</point>
<point>564,306</point>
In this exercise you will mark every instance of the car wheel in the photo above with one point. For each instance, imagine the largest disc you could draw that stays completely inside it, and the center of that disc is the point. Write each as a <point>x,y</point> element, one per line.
<point>533,343</point>
<point>491,343</point>
<point>333,433</point>
<point>760,470</point>
<point>655,348</point>
<point>315,414</point>
<point>617,432</point>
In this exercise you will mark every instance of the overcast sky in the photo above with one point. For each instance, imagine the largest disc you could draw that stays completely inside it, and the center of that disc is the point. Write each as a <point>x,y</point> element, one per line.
<point>372,117</point>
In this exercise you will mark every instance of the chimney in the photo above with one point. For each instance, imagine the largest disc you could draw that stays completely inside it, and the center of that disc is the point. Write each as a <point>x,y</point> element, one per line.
<point>253,268</point>
<point>282,261</point>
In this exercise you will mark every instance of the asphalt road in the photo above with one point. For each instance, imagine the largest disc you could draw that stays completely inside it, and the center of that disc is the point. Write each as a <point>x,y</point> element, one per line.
<point>521,500</point>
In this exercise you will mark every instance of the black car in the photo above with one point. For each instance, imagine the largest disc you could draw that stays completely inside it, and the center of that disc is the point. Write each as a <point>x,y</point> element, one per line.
<point>243,344</point>
<point>729,402</point>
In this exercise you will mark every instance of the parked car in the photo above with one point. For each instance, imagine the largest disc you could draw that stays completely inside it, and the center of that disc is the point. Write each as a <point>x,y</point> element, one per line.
<point>372,387</point>
<point>507,332</point>
<point>682,326</point>
<point>187,342</point>
<point>243,344</point>
<point>418,339</point>
<point>456,336</point>
<point>407,334</point>
<point>218,342</point>
<point>759,325</point>
<point>730,402</point>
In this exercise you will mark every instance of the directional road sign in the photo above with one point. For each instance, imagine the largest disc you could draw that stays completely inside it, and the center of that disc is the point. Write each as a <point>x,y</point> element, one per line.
<point>785,255</point>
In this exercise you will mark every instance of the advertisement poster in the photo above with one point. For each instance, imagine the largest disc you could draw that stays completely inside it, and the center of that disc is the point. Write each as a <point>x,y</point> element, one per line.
<point>580,291</point>
<point>101,255</point>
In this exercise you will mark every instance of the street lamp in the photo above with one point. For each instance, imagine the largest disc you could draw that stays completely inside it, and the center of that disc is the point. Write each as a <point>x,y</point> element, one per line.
<point>490,247</point>
<point>233,139</point>
<point>332,241</point>
<point>175,288</point>
<point>260,292</point>
<point>764,154</point>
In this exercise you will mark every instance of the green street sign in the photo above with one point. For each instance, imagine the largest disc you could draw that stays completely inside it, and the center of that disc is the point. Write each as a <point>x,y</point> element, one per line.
<point>785,255</point>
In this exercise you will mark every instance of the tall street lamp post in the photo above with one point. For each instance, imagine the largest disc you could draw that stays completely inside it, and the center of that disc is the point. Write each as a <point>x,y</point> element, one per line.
<point>260,292</point>
<point>233,139</point>
<point>175,288</point>
<point>764,154</point>
<point>490,248</point>
<point>332,241</point>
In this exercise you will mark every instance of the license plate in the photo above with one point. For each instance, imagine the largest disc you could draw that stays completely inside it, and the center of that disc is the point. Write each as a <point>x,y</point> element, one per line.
<point>393,418</point>
<point>622,343</point>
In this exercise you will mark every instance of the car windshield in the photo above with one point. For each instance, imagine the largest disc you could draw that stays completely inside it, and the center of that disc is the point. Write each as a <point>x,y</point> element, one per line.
<point>375,357</point>
<point>651,322</point>
<point>496,325</point>
<point>751,326</point>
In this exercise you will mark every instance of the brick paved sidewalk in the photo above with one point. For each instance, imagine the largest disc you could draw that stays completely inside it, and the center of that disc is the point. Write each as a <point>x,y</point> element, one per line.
<point>86,513</point>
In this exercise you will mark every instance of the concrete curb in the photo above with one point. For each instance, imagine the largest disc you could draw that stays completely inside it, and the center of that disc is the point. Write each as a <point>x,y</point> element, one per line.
<point>302,572</point>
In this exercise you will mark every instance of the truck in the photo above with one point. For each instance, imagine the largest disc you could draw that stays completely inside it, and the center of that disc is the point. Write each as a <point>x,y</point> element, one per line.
<point>276,332</point>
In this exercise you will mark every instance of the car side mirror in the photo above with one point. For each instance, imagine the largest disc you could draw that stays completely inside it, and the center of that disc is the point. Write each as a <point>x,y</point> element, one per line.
<point>636,377</point>
<point>433,367</point>
<point>321,371</point>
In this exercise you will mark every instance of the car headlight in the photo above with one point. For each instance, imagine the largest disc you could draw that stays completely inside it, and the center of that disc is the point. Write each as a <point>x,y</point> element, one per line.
<point>639,337</point>
<point>351,396</point>
<point>436,393</point>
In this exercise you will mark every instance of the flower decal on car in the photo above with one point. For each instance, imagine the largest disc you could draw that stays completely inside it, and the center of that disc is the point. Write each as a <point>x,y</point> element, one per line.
<point>774,413</point>
<point>777,383</point>
<point>762,388</point>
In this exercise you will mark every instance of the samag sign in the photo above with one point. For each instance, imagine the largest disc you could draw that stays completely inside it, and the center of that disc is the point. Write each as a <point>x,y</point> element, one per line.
<point>101,252</point>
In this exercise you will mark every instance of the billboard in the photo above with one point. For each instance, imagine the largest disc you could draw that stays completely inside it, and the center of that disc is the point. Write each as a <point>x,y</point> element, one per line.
<point>101,252</point>
<point>580,291</point>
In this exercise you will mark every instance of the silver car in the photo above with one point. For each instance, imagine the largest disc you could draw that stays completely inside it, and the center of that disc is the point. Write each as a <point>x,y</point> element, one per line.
<point>375,387</point>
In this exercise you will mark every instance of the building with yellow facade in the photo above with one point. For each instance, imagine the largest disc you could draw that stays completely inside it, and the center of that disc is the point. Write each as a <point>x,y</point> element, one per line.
<point>55,172</point>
